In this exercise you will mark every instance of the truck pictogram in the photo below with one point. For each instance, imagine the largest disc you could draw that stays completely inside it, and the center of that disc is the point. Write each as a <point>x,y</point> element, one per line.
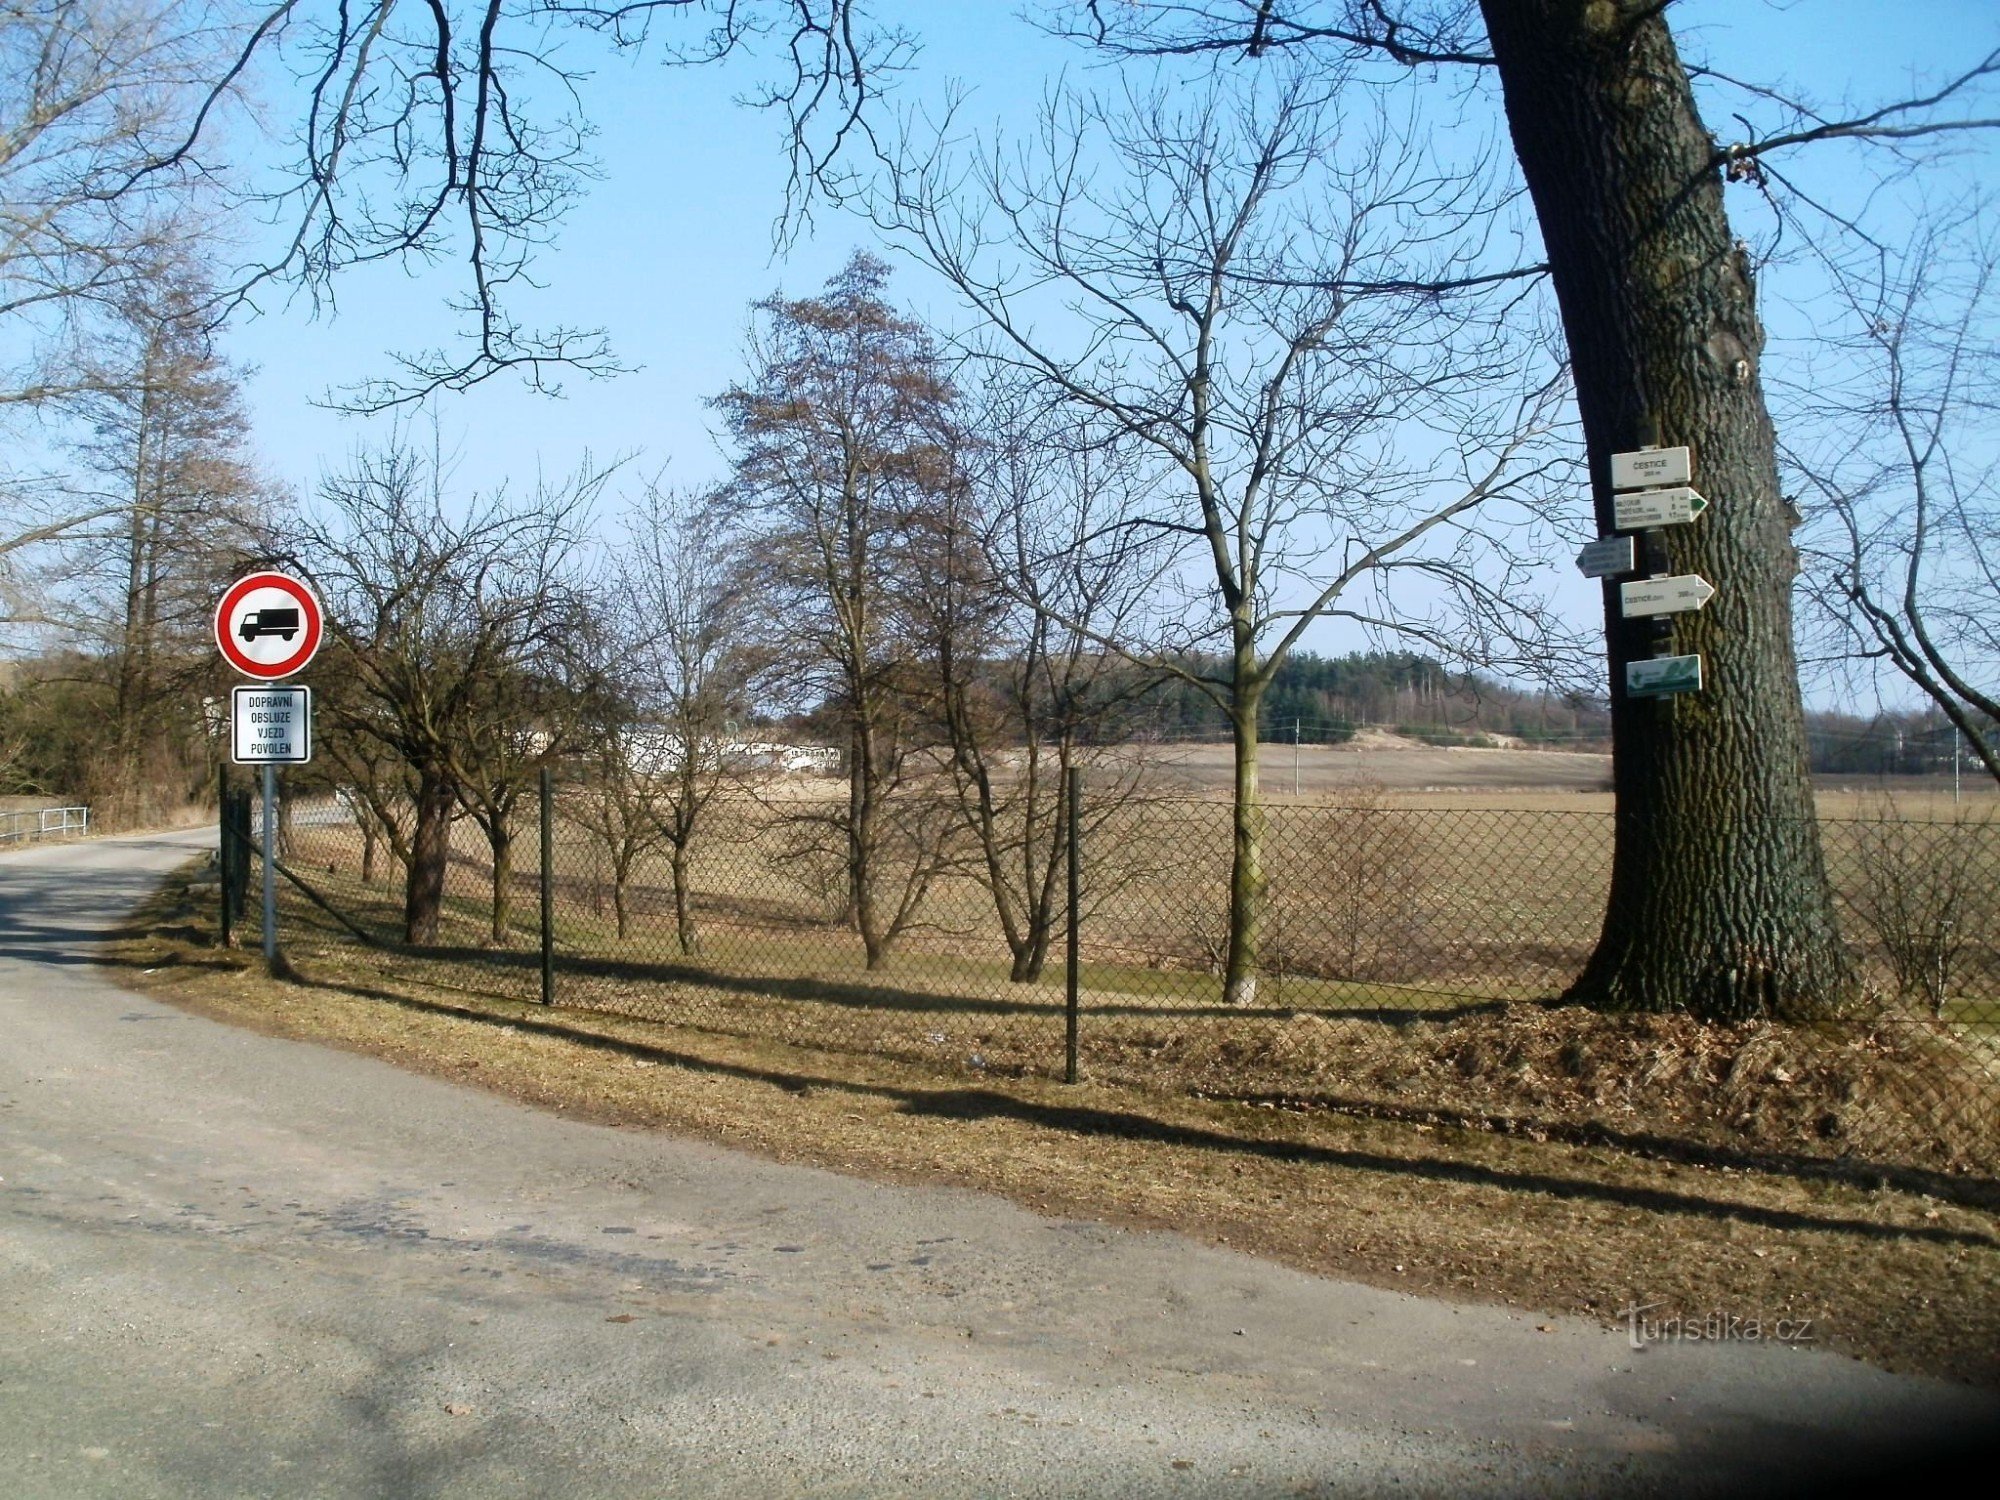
<point>283,623</point>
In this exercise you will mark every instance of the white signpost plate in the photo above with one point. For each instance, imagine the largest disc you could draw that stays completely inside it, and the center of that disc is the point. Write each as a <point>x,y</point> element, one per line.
<point>1660,676</point>
<point>270,726</point>
<point>1606,557</point>
<point>1649,508</point>
<point>1665,596</point>
<point>1651,466</point>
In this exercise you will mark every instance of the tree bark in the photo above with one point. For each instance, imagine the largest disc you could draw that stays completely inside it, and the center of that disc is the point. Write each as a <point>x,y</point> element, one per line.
<point>1719,899</point>
<point>864,835</point>
<point>500,839</point>
<point>1246,866</point>
<point>430,850</point>
<point>684,930</point>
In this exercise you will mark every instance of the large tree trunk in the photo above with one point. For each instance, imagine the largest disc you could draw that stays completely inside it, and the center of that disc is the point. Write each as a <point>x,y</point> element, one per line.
<point>1719,898</point>
<point>500,839</point>
<point>863,840</point>
<point>430,851</point>
<point>858,807</point>
<point>1247,881</point>
<point>684,929</point>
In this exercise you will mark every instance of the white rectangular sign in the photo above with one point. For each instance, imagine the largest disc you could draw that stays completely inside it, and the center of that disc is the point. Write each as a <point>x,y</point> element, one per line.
<point>1661,675</point>
<point>1651,466</point>
<point>1665,596</point>
<point>1649,508</point>
<point>270,725</point>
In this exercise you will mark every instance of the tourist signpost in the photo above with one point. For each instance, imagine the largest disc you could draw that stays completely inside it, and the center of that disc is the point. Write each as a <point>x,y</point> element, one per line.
<point>1654,488</point>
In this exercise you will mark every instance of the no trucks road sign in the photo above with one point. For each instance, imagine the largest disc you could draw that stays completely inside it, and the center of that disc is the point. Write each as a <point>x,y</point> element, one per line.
<point>268,625</point>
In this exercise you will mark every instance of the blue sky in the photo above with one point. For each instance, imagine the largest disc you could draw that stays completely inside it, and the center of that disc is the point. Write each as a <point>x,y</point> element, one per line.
<point>675,242</point>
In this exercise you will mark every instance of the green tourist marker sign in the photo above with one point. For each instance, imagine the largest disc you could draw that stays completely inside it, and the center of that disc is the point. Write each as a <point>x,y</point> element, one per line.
<point>1661,676</point>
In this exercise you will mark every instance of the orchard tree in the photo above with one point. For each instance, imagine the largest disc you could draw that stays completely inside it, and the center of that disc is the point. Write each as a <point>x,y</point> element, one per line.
<point>658,744</point>
<point>439,610</point>
<point>1014,579</point>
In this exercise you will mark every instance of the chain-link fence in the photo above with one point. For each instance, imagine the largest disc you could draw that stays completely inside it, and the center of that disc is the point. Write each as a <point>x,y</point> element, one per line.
<point>1410,959</point>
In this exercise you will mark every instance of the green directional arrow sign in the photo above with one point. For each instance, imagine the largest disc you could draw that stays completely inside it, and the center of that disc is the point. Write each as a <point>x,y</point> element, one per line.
<point>1645,509</point>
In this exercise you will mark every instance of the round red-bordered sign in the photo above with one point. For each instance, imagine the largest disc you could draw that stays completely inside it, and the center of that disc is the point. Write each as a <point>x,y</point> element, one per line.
<point>268,625</point>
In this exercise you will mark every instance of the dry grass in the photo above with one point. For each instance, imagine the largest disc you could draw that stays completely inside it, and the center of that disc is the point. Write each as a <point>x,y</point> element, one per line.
<point>1405,943</point>
<point>1905,1272</point>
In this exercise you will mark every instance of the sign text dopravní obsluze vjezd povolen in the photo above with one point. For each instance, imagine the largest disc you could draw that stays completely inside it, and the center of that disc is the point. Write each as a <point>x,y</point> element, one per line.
<point>270,726</point>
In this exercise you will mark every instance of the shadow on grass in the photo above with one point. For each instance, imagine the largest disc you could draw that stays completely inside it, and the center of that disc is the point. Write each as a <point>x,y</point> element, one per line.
<point>1978,1192</point>
<point>464,962</point>
<point>881,996</point>
<point>976,1104</point>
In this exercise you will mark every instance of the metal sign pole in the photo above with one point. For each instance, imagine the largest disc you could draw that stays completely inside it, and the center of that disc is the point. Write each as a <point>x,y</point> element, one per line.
<point>270,866</point>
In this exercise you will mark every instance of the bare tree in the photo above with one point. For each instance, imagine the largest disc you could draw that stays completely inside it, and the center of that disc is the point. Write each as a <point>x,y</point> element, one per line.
<point>661,739</point>
<point>454,132</point>
<point>519,718</point>
<point>370,779</point>
<point>1014,580</point>
<point>165,442</point>
<point>619,804</point>
<point>1231,309</point>
<point>436,608</point>
<point>1892,444</point>
<point>844,432</point>
<point>95,95</point>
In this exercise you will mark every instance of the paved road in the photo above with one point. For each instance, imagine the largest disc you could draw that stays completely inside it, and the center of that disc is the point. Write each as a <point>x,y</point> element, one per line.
<point>231,1265</point>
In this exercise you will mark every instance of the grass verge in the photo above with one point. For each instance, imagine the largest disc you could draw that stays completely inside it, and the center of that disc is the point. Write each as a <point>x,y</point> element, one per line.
<point>1883,1270</point>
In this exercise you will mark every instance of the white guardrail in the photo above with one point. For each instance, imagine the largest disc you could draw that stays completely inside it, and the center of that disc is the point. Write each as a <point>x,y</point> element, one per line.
<point>44,823</point>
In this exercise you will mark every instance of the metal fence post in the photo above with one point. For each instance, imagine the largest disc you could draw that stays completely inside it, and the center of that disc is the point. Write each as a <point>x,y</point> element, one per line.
<point>1070,975</point>
<point>548,890</point>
